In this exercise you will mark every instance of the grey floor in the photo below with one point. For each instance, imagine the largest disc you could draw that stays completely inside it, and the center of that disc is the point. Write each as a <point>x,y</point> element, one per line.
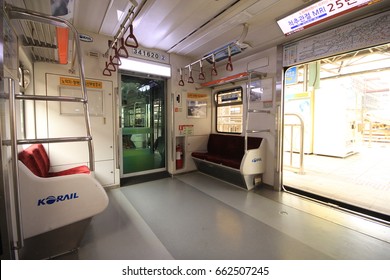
<point>194,216</point>
<point>361,179</point>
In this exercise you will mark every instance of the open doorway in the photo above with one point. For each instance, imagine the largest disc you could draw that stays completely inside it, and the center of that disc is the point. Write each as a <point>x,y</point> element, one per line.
<point>142,125</point>
<point>337,130</point>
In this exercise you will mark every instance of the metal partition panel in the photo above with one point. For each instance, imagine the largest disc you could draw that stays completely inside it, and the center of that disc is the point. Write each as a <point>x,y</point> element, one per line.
<point>15,13</point>
<point>10,204</point>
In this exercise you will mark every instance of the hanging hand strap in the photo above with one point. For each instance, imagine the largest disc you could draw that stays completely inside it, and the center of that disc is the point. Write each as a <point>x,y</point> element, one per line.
<point>190,78</point>
<point>229,65</point>
<point>106,71</point>
<point>201,74</point>
<point>122,52</point>
<point>110,66</point>
<point>131,36</point>
<point>115,60</point>
<point>214,69</point>
<point>181,82</point>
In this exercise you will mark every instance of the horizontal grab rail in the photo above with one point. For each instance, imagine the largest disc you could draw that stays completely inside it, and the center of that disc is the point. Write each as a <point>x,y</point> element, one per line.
<point>54,140</point>
<point>49,140</point>
<point>50,98</point>
<point>19,13</point>
<point>259,111</point>
<point>258,131</point>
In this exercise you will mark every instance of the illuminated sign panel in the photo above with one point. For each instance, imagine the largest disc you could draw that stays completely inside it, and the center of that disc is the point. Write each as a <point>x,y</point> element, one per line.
<point>319,12</point>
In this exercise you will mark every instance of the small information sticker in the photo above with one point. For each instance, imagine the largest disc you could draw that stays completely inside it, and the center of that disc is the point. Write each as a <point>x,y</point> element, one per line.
<point>74,82</point>
<point>150,55</point>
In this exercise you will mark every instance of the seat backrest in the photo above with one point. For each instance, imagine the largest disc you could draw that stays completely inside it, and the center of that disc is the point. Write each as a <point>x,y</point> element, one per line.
<point>36,159</point>
<point>230,146</point>
<point>45,157</point>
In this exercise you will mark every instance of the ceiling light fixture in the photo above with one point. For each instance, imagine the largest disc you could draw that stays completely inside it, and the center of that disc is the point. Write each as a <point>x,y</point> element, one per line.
<point>62,44</point>
<point>147,67</point>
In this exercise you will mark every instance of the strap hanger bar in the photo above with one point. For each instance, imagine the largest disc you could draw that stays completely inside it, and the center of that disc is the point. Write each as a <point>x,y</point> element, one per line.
<point>229,66</point>
<point>126,23</point>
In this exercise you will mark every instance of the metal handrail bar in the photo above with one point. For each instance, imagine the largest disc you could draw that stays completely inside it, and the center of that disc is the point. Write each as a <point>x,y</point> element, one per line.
<point>247,111</point>
<point>301,144</point>
<point>53,140</point>
<point>247,130</point>
<point>48,140</point>
<point>259,111</point>
<point>50,98</point>
<point>19,13</point>
<point>126,23</point>
<point>15,174</point>
<point>258,131</point>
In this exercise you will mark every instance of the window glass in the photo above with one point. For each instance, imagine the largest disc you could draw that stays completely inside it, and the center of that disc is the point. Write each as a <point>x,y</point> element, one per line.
<point>229,110</point>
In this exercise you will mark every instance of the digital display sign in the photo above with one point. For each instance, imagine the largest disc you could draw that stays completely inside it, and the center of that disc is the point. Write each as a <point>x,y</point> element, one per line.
<point>319,12</point>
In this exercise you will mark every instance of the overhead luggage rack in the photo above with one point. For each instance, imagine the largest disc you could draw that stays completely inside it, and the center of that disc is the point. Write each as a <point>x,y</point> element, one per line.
<point>38,37</point>
<point>39,32</point>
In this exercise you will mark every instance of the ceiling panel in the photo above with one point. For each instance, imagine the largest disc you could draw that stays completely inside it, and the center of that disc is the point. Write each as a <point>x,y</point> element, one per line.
<point>88,17</point>
<point>195,27</point>
<point>116,11</point>
<point>174,20</point>
<point>228,27</point>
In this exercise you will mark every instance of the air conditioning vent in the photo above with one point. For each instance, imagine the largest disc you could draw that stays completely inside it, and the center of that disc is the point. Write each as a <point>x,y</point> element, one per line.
<point>222,52</point>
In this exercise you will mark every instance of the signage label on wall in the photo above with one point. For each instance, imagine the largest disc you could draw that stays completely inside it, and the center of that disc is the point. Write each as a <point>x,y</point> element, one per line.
<point>73,82</point>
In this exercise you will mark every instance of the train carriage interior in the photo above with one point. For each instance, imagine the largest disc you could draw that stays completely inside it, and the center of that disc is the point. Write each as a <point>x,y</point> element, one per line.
<point>195,129</point>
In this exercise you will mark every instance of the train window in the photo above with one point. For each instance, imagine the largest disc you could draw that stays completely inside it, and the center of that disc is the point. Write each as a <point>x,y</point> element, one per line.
<point>229,110</point>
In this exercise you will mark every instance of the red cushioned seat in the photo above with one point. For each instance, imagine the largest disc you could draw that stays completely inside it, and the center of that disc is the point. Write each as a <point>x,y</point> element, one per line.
<point>83,169</point>
<point>227,150</point>
<point>26,156</point>
<point>199,155</point>
<point>233,163</point>
<point>36,159</point>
